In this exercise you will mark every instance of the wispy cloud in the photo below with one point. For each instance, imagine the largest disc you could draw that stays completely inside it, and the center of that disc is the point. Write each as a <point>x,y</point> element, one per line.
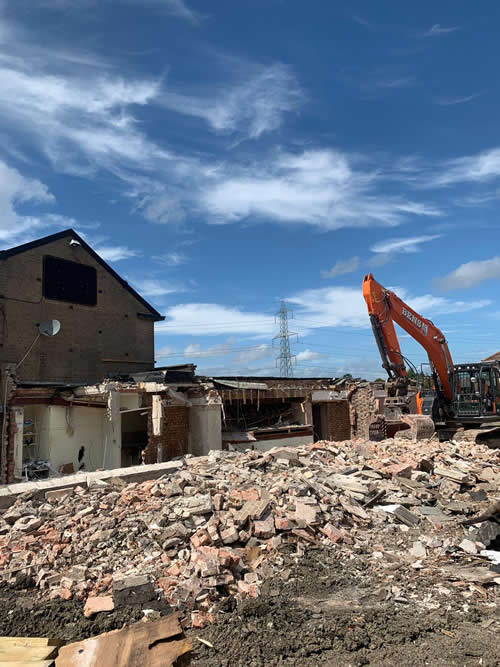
<point>170,258</point>
<point>177,8</point>
<point>307,355</point>
<point>221,349</point>
<point>450,101</point>
<point>345,306</point>
<point>253,106</point>
<point>115,253</point>
<point>165,352</point>
<point>211,319</point>
<point>152,287</point>
<point>403,245</point>
<point>437,30</point>
<point>390,82</point>
<point>471,274</point>
<point>360,20</point>
<point>480,168</point>
<point>341,267</point>
<point>16,191</point>
<point>317,187</point>
<point>257,353</point>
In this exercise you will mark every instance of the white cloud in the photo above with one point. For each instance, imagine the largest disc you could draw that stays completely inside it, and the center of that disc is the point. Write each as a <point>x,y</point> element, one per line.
<point>246,357</point>
<point>115,253</point>
<point>253,106</point>
<point>436,30</point>
<point>154,288</point>
<point>79,114</point>
<point>195,350</point>
<point>170,258</point>
<point>345,306</point>
<point>177,8</point>
<point>449,101</point>
<point>480,168</point>
<point>84,117</point>
<point>407,245</point>
<point>316,187</point>
<point>307,355</point>
<point>341,267</point>
<point>389,83</point>
<point>15,191</point>
<point>471,274</point>
<point>211,319</point>
<point>437,305</point>
<point>165,352</point>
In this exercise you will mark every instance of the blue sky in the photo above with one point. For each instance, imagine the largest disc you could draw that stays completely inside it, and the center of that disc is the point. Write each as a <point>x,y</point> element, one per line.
<point>224,155</point>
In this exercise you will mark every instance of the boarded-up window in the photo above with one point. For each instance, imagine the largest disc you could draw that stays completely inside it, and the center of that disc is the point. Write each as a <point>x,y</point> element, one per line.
<point>64,280</point>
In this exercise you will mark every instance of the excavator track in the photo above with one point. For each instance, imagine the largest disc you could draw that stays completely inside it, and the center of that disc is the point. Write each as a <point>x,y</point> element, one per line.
<point>487,435</point>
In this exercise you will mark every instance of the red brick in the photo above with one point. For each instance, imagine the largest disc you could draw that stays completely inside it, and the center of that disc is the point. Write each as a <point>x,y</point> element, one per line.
<point>264,528</point>
<point>282,523</point>
<point>95,605</point>
<point>333,534</point>
<point>399,470</point>
<point>200,539</point>
<point>200,619</point>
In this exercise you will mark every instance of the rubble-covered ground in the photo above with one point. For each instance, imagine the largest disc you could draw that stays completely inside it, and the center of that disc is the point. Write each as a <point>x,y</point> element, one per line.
<point>330,554</point>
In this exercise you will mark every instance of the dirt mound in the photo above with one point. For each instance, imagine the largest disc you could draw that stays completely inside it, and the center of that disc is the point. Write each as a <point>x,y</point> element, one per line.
<point>335,619</point>
<point>22,616</point>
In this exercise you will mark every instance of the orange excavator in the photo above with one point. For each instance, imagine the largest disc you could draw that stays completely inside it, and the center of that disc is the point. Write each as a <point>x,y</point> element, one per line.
<point>456,395</point>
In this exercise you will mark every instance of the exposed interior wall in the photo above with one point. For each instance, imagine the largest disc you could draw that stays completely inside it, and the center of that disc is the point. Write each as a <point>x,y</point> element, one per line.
<point>134,431</point>
<point>18,419</point>
<point>64,431</point>
<point>301,412</point>
<point>204,429</point>
<point>338,421</point>
<point>362,410</point>
<point>39,415</point>
<point>174,438</point>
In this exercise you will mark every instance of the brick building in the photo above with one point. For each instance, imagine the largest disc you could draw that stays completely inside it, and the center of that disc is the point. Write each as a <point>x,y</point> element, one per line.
<point>106,326</point>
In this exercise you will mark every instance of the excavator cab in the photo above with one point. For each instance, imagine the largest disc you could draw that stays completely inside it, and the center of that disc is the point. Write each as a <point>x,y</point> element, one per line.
<point>476,392</point>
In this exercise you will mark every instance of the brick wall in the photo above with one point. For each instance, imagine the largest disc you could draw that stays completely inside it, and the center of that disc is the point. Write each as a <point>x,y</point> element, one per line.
<point>174,440</point>
<point>362,410</point>
<point>93,341</point>
<point>338,420</point>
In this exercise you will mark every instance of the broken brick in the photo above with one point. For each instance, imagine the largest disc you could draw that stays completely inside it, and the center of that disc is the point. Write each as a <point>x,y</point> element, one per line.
<point>94,605</point>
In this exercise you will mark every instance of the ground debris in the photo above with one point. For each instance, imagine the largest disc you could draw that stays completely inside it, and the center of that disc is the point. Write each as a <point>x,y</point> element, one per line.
<point>214,535</point>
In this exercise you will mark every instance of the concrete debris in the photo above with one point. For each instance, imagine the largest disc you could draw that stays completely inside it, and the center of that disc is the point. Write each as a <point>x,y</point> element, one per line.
<point>218,526</point>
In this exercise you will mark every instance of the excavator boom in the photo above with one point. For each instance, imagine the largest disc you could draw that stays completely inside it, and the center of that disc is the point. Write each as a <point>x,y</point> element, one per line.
<point>385,308</point>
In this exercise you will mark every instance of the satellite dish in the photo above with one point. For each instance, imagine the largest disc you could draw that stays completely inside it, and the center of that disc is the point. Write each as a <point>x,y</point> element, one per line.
<point>49,327</point>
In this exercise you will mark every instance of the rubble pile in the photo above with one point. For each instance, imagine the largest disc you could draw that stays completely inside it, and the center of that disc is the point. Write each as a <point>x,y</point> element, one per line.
<point>225,523</point>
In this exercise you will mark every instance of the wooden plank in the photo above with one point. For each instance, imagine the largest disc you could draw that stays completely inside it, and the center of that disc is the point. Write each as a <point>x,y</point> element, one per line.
<point>28,641</point>
<point>156,644</point>
<point>27,654</point>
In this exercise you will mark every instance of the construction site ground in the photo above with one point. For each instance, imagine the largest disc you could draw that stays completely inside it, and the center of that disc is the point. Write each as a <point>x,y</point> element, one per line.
<point>366,560</point>
<point>323,615</point>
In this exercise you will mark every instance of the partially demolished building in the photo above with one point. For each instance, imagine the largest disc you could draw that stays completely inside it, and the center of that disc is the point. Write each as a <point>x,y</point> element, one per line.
<point>91,398</point>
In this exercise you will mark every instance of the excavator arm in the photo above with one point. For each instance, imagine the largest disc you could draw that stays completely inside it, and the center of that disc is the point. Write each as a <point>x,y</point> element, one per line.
<point>385,308</point>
